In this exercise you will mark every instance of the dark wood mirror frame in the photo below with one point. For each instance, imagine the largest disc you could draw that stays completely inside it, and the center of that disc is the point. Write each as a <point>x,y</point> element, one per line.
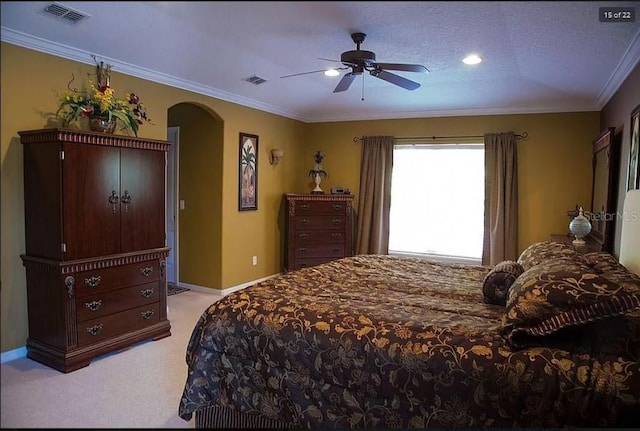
<point>604,188</point>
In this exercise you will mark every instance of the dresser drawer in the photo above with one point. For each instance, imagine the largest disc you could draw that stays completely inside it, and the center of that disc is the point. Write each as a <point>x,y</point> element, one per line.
<point>320,207</point>
<point>105,279</point>
<point>92,331</point>
<point>303,237</point>
<point>307,262</point>
<point>320,250</point>
<point>320,222</point>
<point>101,304</point>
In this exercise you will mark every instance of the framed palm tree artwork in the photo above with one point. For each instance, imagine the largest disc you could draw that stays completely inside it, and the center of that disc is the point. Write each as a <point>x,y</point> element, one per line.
<point>248,170</point>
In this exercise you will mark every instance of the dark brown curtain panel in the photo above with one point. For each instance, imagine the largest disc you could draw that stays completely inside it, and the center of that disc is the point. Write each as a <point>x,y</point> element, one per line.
<point>374,202</point>
<point>501,198</point>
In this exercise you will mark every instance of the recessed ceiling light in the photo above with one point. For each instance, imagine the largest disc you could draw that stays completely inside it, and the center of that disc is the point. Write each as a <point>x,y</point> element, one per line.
<point>472,59</point>
<point>331,72</point>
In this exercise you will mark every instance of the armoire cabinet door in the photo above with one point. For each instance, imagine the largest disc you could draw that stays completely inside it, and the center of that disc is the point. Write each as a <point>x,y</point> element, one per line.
<point>142,199</point>
<point>90,184</point>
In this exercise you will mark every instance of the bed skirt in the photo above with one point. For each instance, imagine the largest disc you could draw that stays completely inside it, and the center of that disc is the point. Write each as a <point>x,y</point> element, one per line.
<point>228,418</point>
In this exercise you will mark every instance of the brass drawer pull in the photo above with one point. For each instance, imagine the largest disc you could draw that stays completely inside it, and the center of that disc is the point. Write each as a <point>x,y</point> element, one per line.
<point>304,221</point>
<point>304,207</point>
<point>303,251</point>
<point>336,235</point>
<point>146,271</point>
<point>337,207</point>
<point>93,281</point>
<point>94,330</point>
<point>146,292</point>
<point>335,249</point>
<point>303,235</point>
<point>93,305</point>
<point>147,314</point>
<point>337,221</point>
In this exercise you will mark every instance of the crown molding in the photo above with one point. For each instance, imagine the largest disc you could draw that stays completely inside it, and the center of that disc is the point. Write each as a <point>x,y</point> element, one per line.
<point>59,50</point>
<point>455,113</point>
<point>628,62</point>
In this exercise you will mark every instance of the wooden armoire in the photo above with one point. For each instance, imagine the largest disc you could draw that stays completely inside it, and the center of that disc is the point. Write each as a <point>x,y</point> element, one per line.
<point>95,244</point>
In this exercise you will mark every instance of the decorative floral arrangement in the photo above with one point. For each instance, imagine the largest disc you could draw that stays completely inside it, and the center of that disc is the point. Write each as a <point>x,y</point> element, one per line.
<point>317,170</point>
<point>102,103</point>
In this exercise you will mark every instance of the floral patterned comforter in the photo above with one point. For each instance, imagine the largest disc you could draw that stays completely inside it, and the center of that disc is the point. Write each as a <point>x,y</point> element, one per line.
<point>395,342</point>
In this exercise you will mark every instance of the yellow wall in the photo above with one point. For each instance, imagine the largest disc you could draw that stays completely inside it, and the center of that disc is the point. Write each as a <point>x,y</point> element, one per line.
<point>29,82</point>
<point>554,162</point>
<point>554,169</point>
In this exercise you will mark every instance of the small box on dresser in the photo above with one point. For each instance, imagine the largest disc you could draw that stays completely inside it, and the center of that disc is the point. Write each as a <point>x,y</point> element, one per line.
<point>319,229</point>
<point>95,244</point>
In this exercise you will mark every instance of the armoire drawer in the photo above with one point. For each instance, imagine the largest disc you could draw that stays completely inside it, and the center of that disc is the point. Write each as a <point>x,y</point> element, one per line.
<point>92,331</point>
<point>101,304</point>
<point>105,279</point>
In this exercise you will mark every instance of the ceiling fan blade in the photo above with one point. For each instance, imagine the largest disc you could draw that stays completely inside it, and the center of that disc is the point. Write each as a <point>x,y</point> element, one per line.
<point>303,73</point>
<point>328,59</point>
<point>403,67</point>
<point>395,79</point>
<point>316,71</point>
<point>345,82</point>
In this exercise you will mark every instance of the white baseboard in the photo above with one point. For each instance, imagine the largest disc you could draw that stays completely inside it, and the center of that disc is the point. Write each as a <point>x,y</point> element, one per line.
<point>224,292</point>
<point>21,352</point>
<point>18,353</point>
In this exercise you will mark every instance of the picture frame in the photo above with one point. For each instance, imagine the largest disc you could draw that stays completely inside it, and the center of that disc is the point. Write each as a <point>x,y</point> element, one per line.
<point>248,172</point>
<point>634,151</point>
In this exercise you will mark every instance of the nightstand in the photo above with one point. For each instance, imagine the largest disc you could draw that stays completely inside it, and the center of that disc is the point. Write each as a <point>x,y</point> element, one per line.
<point>589,246</point>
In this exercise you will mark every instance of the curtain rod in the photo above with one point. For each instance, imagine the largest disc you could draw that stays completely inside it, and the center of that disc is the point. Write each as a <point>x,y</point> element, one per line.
<point>523,135</point>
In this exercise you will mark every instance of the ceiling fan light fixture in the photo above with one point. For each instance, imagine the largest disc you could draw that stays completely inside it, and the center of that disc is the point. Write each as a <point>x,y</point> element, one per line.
<point>472,59</point>
<point>360,61</point>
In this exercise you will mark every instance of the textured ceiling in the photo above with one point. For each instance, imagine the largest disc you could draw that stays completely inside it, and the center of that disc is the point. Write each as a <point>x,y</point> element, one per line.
<point>538,56</point>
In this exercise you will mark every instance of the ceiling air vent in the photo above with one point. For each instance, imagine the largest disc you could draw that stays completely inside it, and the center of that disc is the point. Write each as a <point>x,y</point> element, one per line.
<point>255,80</point>
<point>64,13</point>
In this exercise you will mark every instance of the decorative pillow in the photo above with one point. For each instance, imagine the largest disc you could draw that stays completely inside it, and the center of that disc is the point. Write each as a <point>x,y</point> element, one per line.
<point>498,281</point>
<point>601,260</point>
<point>560,294</point>
<point>608,266</point>
<point>541,252</point>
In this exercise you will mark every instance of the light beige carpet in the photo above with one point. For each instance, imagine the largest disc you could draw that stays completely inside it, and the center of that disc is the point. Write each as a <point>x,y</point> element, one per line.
<point>139,387</point>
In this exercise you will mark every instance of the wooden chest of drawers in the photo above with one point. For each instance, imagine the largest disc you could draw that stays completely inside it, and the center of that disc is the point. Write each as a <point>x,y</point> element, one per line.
<point>319,229</point>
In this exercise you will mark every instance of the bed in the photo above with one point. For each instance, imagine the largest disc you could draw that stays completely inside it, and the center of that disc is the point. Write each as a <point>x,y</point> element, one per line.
<point>373,341</point>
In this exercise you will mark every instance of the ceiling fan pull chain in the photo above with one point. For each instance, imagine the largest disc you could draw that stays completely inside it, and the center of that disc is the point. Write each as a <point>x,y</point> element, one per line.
<point>362,88</point>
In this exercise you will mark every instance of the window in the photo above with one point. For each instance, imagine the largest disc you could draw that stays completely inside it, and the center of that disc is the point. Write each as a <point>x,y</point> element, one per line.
<point>437,201</point>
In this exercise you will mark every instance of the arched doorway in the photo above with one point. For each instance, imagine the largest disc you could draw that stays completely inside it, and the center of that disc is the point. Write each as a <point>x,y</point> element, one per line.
<point>194,196</point>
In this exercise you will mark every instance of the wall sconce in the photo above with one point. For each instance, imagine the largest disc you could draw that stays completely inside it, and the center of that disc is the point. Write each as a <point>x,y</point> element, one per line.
<point>275,156</point>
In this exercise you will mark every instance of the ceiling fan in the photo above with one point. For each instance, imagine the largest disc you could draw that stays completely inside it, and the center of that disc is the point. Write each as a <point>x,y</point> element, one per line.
<point>360,61</point>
